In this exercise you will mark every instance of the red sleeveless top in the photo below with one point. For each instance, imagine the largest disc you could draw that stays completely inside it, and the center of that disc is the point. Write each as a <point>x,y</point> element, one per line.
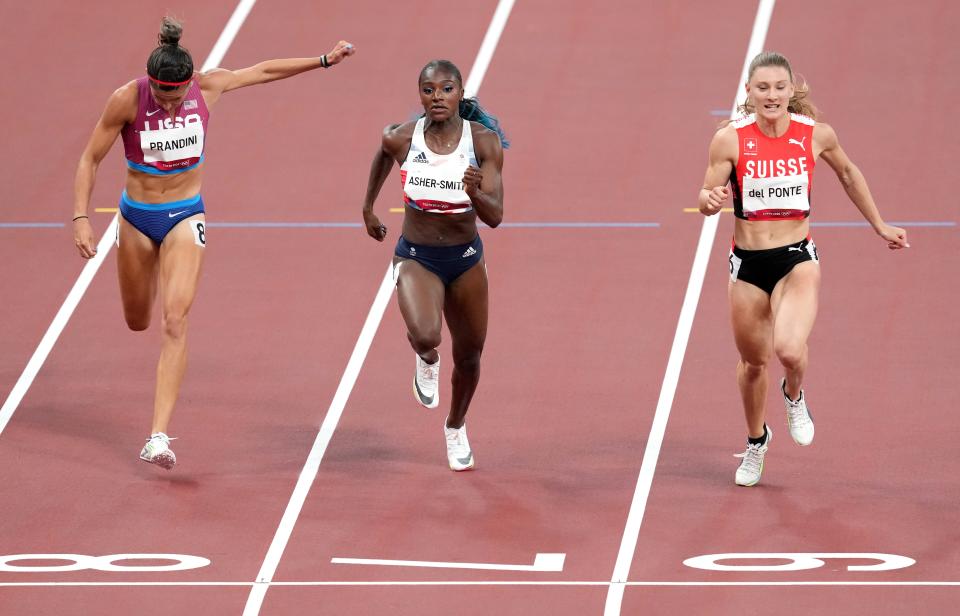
<point>774,175</point>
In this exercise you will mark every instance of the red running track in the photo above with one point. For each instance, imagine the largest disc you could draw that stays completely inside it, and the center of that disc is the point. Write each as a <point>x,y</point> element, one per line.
<point>581,326</point>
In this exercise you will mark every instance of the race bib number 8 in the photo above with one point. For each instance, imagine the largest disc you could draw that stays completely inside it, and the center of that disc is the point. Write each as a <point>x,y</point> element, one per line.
<point>199,228</point>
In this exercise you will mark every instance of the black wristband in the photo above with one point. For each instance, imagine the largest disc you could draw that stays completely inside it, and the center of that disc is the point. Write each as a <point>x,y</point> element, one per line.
<point>323,61</point>
<point>81,216</point>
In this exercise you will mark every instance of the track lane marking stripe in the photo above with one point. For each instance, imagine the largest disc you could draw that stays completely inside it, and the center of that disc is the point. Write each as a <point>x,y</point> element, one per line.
<point>708,232</point>
<point>267,570</point>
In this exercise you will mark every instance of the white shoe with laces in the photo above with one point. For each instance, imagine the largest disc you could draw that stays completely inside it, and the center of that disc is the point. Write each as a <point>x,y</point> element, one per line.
<point>459,454</point>
<point>749,471</point>
<point>157,451</point>
<point>426,383</point>
<point>799,419</point>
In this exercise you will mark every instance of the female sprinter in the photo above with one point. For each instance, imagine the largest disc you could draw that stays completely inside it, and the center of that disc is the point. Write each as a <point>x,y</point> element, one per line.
<point>768,155</point>
<point>163,120</point>
<point>450,163</point>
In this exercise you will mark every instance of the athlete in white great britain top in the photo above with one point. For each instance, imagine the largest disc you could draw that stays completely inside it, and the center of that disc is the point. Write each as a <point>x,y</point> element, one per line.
<point>450,163</point>
<point>768,157</point>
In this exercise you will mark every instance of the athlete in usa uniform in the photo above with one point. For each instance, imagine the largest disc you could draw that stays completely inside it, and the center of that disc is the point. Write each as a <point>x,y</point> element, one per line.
<point>163,119</point>
<point>450,163</point>
<point>768,156</point>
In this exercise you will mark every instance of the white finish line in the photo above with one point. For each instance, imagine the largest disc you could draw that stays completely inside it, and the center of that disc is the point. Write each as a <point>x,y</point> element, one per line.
<point>542,562</point>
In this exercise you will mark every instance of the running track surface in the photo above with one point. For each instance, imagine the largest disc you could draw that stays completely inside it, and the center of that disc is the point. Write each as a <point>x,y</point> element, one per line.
<point>609,108</point>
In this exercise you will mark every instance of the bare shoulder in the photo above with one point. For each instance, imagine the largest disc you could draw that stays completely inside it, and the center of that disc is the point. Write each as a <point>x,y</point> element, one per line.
<point>482,134</point>
<point>399,133</point>
<point>824,135</point>
<point>486,143</point>
<point>724,143</point>
<point>213,78</point>
<point>397,137</point>
<point>726,133</point>
<point>122,104</point>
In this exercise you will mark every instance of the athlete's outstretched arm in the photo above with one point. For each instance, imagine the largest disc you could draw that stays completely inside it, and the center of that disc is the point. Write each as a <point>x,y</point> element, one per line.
<point>855,185</point>
<point>121,108</point>
<point>722,158</point>
<point>390,144</point>
<point>219,80</point>
<point>484,185</point>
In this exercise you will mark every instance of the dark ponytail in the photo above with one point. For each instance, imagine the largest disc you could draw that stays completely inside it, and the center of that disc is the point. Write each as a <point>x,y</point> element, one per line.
<point>169,61</point>
<point>470,108</point>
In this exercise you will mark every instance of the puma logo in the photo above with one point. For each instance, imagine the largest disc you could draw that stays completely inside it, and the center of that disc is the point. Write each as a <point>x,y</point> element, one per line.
<point>799,143</point>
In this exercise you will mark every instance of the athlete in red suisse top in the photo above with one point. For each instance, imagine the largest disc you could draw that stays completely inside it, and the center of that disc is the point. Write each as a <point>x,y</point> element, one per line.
<point>450,163</point>
<point>163,120</point>
<point>769,156</point>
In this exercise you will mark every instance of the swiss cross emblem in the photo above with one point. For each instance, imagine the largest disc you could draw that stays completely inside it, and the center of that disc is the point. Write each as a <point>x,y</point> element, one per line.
<point>750,146</point>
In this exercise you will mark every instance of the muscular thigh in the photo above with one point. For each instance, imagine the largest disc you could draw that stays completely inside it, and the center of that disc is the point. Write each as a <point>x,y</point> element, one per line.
<point>137,266</point>
<point>466,308</point>
<point>794,303</point>
<point>181,257</point>
<point>752,321</point>
<point>420,295</point>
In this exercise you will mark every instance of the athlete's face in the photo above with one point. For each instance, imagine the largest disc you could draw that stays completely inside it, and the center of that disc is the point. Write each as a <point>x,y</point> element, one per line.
<point>167,97</point>
<point>769,91</point>
<point>440,94</point>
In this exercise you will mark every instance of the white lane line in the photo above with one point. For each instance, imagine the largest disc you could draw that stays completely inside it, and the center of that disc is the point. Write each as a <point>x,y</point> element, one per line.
<point>541,562</point>
<point>56,326</point>
<point>309,472</point>
<point>229,33</point>
<point>487,583</point>
<point>103,248</point>
<point>628,545</point>
<point>312,465</point>
<point>479,69</point>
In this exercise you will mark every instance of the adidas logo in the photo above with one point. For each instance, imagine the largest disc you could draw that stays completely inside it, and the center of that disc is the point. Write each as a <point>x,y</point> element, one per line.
<point>413,251</point>
<point>469,252</point>
<point>420,158</point>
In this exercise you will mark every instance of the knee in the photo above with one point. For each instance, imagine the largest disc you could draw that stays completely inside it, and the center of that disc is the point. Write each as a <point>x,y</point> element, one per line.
<point>791,355</point>
<point>468,361</point>
<point>754,368</point>
<point>424,339</point>
<point>175,324</point>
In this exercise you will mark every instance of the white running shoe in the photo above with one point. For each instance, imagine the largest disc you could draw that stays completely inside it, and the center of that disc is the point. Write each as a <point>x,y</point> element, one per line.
<point>426,383</point>
<point>749,471</point>
<point>157,451</point>
<point>459,454</point>
<point>799,419</point>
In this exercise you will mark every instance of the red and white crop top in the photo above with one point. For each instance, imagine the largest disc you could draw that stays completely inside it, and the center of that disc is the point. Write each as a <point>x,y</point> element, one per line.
<point>774,175</point>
